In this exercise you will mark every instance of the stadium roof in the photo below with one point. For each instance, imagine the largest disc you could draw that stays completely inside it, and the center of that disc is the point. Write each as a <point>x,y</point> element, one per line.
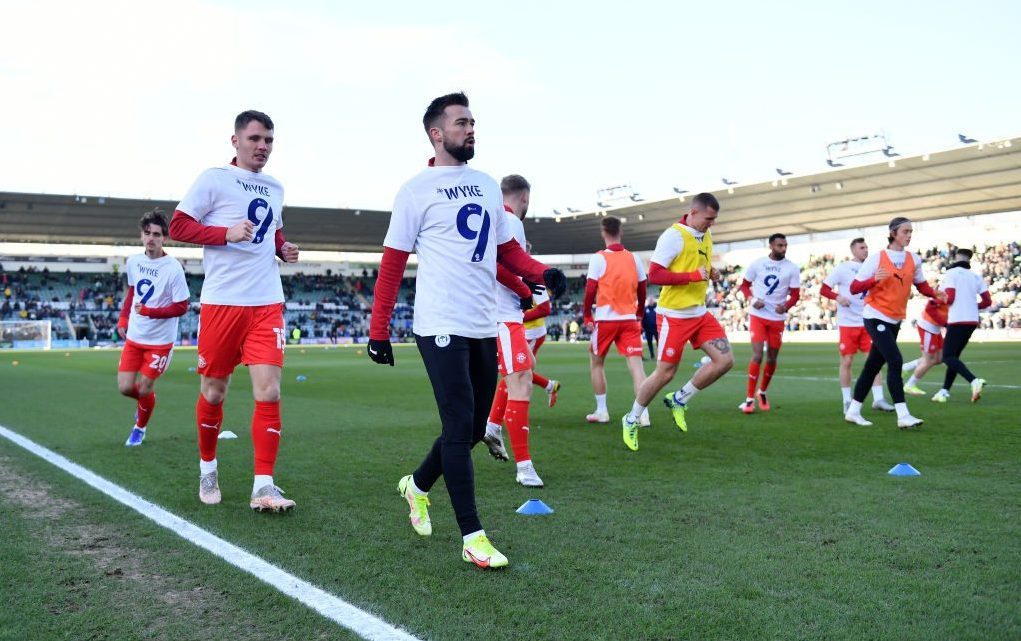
<point>971,180</point>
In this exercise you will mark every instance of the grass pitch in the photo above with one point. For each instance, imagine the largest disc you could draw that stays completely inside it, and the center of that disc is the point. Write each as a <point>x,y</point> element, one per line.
<point>780,525</point>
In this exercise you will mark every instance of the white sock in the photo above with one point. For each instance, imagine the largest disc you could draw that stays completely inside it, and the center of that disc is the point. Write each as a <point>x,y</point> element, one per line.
<point>467,537</point>
<point>636,412</point>
<point>846,393</point>
<point>493,428</point>
<point>749,399</point>
<point>414,488</point>
<point>877,393</point>
<point>524,464</point>
<point>684,394</point>
<point>912,381</point>
<point>910,365</point>
<point>902,410</point>
<point>855,408</point>
<point>205,467</point>
<point>139,428</point>
<point>600,402</point>
<point>261,481</point>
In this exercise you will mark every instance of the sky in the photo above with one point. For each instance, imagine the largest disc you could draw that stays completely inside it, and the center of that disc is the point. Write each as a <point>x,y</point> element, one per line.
<point>135,99</point>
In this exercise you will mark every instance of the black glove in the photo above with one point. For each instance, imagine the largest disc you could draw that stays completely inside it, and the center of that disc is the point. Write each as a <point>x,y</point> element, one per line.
<point>526,304</point>
<point>381,352</point>
<point>556,282</point>
<point>535,287</point>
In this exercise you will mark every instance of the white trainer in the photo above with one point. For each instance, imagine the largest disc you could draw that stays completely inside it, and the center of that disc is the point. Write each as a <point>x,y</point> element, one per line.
<point>527,476</point>
<point>857,419</point>
<point>883,406</point>
<point>598,417</point>
<point>941,396</point>
<point>976,389</point>
<point>847,406</point>
<point>644,419</point>
<point>904,422</point>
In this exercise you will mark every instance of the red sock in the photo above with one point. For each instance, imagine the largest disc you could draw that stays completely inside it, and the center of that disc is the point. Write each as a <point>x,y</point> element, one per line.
<point>767,373</point>
<point>516,419</point>
<point>209,418</point>
<point>146,404</point>
<point>540,380</point>
<point>499,404</point>
<point>753,377</point>
<point>266,435</point>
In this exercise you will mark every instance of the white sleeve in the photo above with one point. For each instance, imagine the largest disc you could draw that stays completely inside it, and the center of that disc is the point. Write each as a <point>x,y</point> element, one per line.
<point>199,200</point>
<point>795,280</point>
<point>751,271</point>
<point>641,268</point>
<point>405,222</point>
<point>947,282</point>
<point>668,247</point>
<point>868,267</point>
<point>919,274</point>
<point>982,286</point>
<point>180,286</point>
<point>833,279</point>
<point>503,231</point>
<point>596,266</point>
<point>130,270</point>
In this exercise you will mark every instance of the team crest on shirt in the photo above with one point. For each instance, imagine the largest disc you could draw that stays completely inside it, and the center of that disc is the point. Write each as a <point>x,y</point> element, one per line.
<point>520,357</point>
<point>670,351</point>
<point>442,340</point>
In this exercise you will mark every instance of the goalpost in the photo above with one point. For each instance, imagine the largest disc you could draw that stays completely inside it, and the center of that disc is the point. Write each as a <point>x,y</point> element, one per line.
<point>26,334</point>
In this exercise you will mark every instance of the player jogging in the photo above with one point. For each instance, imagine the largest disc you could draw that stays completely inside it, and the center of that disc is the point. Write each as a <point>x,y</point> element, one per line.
<point>149,323</point>
<point>682,265</point>
<point>887,276</point>
<point>853,337</point>
<point>772,286</point>
<point>452,217</point>
<point>617,285</point>
<point>930,335</point>
<point>234,212</point>
<point>964,289</point>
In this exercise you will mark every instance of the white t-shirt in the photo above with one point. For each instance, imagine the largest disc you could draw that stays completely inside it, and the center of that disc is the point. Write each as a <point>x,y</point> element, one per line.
<point>508,304</point>
<point>868,270</point>
<point>771,281</point>
<point>967,286</point>
<point>453,218</point>
<point>244,274</point>
<point>596,269</point>
<point>156,283</point>
<point>668,247</point>
<point>839,281</point>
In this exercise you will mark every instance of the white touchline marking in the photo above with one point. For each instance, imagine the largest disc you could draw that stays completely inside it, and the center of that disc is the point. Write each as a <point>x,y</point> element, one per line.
<point>332,607</point>
<point>821,378</point>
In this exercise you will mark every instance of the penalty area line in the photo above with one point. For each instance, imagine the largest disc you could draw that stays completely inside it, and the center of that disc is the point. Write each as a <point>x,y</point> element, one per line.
<point>332,607</point>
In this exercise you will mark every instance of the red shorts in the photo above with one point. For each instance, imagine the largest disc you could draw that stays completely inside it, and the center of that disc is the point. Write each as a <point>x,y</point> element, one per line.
<point>512,349</point>
<point>767,331</point>
<point>625,334</point>
<point>854,340</point>
<point>931,343</point>
<point>148,360</point>
<point>675,332</point>
<point>535,343</point>
<point>230,334</point>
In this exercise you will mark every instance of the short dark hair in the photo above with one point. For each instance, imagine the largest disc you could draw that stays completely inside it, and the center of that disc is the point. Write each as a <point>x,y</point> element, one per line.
<point>856,241</point>
<point>514,184</point>
<point>436,107</point>
<point>154,217</point>
<point>248,116</point>
<point>611,225</point>
<point>961,251</point>
<point>775,236</point>
<point>706,200</point>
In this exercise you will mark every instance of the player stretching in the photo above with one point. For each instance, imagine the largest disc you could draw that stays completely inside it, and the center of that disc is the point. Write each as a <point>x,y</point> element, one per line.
<point>930,334</point>
<point>515,358</point>
<point>452,217</point>
<point>151,321</point>
<point>887,277</point>
<point>234,212</point>
<point>772,285</point>
<point>853,337</point>
<point>682,264</point>
<point>617,285</point>
<point>963,288</point>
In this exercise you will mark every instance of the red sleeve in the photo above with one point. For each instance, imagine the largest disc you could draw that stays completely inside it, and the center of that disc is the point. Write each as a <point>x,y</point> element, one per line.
<point>793,297</point>
<point>170,311</point>
<point>122,322</point>
<point>388,284</point>
<point>279,240</point>
<point>859,286</point>
<point>987,300</point>
<point>591,286</point>
<point>827,292</point>
<point>517,260</point>
<point>746,289</point>
<point>506,278</point>
<point>926,289</point>
<point>185,229</point>
<point>659,275</point>
<point>537,312</point>
<point>643,289</point>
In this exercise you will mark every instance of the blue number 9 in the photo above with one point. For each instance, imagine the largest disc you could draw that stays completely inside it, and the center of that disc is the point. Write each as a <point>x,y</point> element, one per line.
<point>146,284</point>
<point>771,281</point>
<point>463,214</point>
<point>253,207</point>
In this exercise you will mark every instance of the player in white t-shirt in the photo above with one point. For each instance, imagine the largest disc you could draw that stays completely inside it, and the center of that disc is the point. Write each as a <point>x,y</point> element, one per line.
<point>966,293</point>
<point>853,337</point>
<point>149,322</point>
<point>234,212</point>
<point>453,218</point>
<point>772,285</point>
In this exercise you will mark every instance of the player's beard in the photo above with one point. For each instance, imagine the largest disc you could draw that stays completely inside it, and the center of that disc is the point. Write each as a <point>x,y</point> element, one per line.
<point>464,153</point>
